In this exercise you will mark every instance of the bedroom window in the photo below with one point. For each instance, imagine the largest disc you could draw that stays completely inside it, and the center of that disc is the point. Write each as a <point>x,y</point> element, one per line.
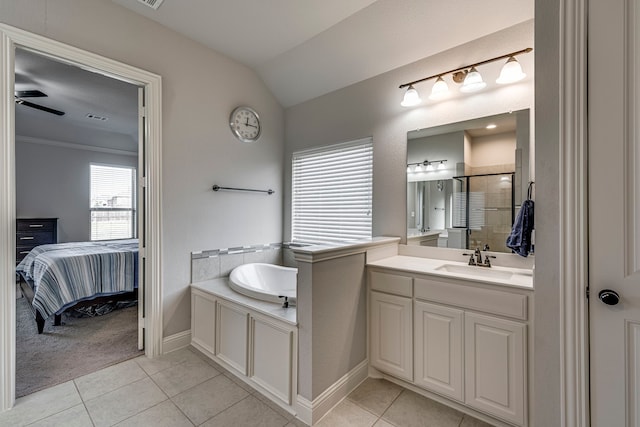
<point>112,202</point>
<point>332,193</point>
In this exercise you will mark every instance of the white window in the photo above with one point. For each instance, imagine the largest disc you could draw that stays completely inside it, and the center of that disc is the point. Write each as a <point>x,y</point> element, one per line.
<point>112,202</point>
<point>332,193</point>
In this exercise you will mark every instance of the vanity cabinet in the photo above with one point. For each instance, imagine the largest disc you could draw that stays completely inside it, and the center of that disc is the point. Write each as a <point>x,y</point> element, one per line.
<point>469,341</point>
<point>494,368</point>
<point>391,324</point>
<point>391,335</point>
<point>438,342</point>
<point>259,349</point>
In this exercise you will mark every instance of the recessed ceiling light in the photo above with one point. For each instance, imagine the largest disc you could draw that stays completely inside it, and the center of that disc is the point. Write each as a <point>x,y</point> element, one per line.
<point>491,126</point>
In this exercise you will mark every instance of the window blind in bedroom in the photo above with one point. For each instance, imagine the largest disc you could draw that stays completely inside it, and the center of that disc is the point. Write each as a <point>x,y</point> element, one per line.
<point>332,193</point>
<point>112,202</point>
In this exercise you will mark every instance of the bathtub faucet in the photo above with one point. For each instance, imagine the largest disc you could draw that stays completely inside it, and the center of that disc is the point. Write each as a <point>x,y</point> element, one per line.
<point>285,304</point>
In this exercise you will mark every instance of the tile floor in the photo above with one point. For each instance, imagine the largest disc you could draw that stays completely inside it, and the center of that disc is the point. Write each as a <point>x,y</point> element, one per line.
<point>184,388</point>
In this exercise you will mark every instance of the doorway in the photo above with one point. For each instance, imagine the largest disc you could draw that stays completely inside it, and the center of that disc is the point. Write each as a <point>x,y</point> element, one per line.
<point>149,182</point>
<point>76,159</point>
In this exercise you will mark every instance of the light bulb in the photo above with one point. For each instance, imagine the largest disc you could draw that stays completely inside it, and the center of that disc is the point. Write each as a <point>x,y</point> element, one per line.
<point>441,165</point>
<point>440,89</point>
<point>429,167</point>
<point>473,82</point>
<point>511,72</point>
<point>411,97</point>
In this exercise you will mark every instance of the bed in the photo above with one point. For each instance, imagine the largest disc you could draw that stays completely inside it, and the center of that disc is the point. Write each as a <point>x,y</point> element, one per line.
<point>59,276</point>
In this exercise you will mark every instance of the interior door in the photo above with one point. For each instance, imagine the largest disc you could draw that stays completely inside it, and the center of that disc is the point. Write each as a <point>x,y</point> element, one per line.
<point>141,214</point>
<point>614,212</point>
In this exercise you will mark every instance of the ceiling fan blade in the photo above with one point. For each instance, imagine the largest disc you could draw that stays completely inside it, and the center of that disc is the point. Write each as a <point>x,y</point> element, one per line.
<point>39,107</point>
<point>30,94</point>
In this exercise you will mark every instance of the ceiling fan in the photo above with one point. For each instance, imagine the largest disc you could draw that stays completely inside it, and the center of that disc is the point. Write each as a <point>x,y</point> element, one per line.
<point>20,94</point>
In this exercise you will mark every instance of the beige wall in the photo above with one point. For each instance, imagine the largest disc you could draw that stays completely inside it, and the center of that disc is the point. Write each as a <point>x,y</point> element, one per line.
<point>492,150</point>
<point>200,88</point>
<point>372,108</point>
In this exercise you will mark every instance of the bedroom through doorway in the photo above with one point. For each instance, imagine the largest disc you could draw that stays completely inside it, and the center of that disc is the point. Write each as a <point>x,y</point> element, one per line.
<point>77,160</point>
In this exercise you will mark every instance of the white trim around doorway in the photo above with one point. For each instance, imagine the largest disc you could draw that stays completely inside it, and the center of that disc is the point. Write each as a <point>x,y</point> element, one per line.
<point>573,161</point>
<point>11,37</point>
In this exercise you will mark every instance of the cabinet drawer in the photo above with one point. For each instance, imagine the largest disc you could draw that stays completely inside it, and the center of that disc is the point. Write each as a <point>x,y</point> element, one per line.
<point>35,225</point>
<point>487,300</point>
<point>391,284</point>
<point>21,252</point>
<point>33,238</point>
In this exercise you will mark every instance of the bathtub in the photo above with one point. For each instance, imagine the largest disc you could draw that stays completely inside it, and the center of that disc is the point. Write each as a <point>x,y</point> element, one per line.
<point>267,282</point>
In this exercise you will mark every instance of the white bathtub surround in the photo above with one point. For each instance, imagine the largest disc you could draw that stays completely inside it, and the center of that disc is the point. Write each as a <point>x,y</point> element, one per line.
<point>266,282</point>
<point>255,340</point>
<point>332,321</point>
<point>214,263</point>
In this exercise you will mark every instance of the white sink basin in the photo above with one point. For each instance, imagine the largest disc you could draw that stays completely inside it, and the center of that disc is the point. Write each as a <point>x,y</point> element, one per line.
<point>495,273</point>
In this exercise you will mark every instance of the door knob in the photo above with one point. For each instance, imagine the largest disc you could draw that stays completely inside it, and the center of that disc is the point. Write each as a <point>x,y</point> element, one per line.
<point>609,297</point>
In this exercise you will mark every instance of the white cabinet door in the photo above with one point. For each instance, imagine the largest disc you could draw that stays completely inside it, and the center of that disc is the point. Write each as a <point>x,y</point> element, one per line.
<point>231,335</point>
<point>495,366</point>
<point>438,344</point>
<point>392,335</point>
<point>203,320</point>
<point>272,357</point>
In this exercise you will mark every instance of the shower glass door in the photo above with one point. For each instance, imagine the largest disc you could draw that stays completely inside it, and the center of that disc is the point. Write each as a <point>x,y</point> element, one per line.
<point>483,211</point>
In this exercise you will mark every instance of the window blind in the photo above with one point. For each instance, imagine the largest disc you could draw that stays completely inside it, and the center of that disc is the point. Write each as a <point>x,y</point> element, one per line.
<point>112,202</point>
<point>332,193</point>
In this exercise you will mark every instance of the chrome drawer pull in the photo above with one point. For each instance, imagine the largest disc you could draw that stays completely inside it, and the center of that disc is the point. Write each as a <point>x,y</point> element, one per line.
<point>27,238</point>
<point>24,252</point>
<point>36,225</point>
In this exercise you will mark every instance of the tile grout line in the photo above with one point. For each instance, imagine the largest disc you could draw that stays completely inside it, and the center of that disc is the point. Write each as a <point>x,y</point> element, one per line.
<point>390,405</point>
<point>228,407</point>
<point>84,405</point>
<point>61,411</point>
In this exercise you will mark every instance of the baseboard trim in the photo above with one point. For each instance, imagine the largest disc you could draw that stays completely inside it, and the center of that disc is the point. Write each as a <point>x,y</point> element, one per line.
<point>176,341</point>
<point>312,412</point>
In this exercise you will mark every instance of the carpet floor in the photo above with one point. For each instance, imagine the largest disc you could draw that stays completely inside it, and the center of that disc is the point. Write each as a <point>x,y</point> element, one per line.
<point>79,346</point>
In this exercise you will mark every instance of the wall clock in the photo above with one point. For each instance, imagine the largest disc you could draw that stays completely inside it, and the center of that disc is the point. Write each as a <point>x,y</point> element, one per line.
<point>245,124</point>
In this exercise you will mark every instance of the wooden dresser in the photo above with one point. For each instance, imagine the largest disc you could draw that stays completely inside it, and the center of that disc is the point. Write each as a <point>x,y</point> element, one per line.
<point>31,232</point>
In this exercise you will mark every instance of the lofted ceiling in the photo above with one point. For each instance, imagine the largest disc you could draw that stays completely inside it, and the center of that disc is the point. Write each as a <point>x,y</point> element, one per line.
<point>305,49</point>
<point>301,49</point>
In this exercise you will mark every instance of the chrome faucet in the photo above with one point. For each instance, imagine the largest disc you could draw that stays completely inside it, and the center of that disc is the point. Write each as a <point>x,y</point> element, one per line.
<point>478,256</point>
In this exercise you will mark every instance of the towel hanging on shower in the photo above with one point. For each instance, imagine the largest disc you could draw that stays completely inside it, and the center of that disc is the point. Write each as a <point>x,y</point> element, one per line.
<point>519,239</point>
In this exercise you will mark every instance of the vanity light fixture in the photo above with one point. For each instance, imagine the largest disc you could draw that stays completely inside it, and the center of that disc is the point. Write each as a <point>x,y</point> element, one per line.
<point>440,89</point>
<point>411,97</point>
<point>511,72</point>
<point>427,165</point>
<point>473,82</point>
<point>469,76</point>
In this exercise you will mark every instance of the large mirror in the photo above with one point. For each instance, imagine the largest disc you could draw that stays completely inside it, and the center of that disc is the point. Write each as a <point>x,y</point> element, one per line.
<point>466,181</point>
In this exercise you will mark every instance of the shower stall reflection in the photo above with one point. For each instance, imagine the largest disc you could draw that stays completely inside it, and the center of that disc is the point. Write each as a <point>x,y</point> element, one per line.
<point>466,212</point>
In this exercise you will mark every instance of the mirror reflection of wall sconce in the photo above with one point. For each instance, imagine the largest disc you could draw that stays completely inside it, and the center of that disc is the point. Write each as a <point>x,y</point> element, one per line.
<point>468,76</point>
<point>426,166</point>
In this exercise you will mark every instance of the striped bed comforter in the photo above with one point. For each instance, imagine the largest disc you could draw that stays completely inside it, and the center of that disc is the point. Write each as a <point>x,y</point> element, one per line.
<point>65,273</point>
